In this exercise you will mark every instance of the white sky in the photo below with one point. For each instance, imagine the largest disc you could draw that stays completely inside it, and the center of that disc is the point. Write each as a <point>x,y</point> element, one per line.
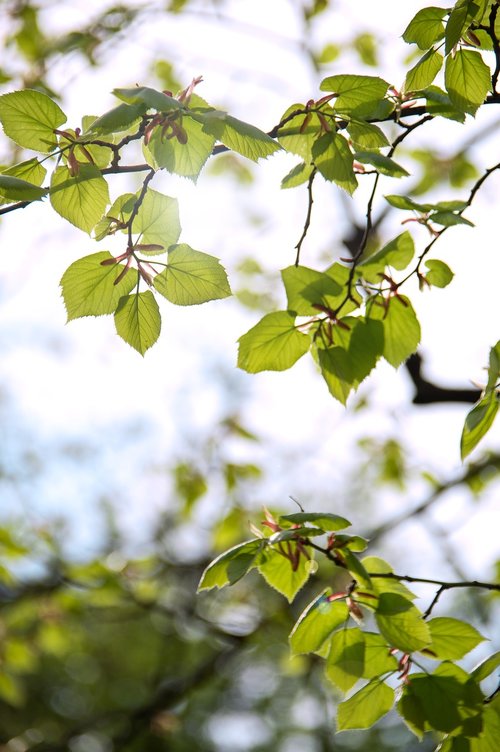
<point>77,382</point>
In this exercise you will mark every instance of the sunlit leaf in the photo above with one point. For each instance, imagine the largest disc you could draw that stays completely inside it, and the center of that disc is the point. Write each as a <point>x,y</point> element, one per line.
<point>29,118</point>
<point>478,422</point>
<point>81,199</point>
<point>231,565</point>
<point>157,221</point>
<point>467,80</point>
<point>401,623</point>
<point>439,274</point>
<point>316,623</point>
<point>334,160</point>
<point>401,330</point>
<point>192,277</point>
<point>426,27</point>
<point>346,660</point>
<point>273,344</point>
<point>138,321</point>
<point>279,572</point>
<point>452,638</point>
<point>365,707</point>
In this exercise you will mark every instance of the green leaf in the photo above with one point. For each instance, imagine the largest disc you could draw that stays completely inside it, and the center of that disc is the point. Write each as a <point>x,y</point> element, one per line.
<point>150,99</point>
<point>89,289</point>
<point>232,565</point>
<point>486,667</point>
<point>356,568</point>
<point>31,171</point>
<point>29,118</point>
<point>397,253</point>
<point>401,330</point>
<point>186,158</point>
<point>346,659</point>
<point>116,217</point>
<point>451,638</point>
<point>298,175</point>
<point>424,72</point>
<point>439,274</point>
<point>383,164</point>
<point>467,80</point>
<point>300,132</point>
<point>279,572</point>
<point>81,199</point>
<point>494,368</point>
<point>307,288</point>
<point>439,103</point>
<point>157,221</point>
<point>366,135</point>
<point>374,565</point>
<point>405,202</point>
<point>273,344</point>
<point>333,158</point>
<point>456,25</point>
<point>426,27</point>
<point>138,321</point>
<point>365,707</point>
<point>378,659</point>
<point>337,372</point>
<point>324,520</point>
<point>192,277</point>
<point>477,423</point>
<point>118,119</point>
<point>15,189</point>
<point>355,94</point>
<point>316,623</point>
<point>243,138</point>
<point>401,623</point>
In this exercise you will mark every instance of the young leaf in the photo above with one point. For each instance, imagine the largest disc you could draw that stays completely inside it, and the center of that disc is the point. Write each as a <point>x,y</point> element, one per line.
<point>307,288</point>
<point>401,623</point>
<point>478,422</point>
<point>299,132</point>
<point>138,321</point>
<point>366,135</point>
<point>378,659</point>
<point>278,571</point>
<point>238,136</point>
<point>157,221</point>
<point>29,118</point>
<point>192,277</point>
<point>452,638</point>
<point>494,368</point>
<point>346,659</point>
<point>439,274</point>
<point>231,565</point>
<point>150,99</point>
<point>333,158</point>
<point>424,72</point>
<point>185,159</point>
<point>316,624</point>
<point>426,27</point>
<point>82,198</point>
<point>397,253</point>
<point>467,80</point>
<point>118,119</point>
<point>382,164</point>
<point>337,372</point>
<point>456,25</point>
<point>298,175</point>
<point>324,520</point>
<point>89,289</point>
<point>273,344</point>
<point>374,565</point>
<point>401,330</point>
<point>15,189</point>
<point>355,93</point>
<point>365,707</point>
<point>486,667</point>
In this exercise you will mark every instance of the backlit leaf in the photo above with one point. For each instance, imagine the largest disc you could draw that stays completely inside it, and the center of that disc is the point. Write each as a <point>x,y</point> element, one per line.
<point>382,164</point>
<point>426,27</point>
<point>316,624</point>
<point>157,221</point>
<point>452,638</point>
<point>273,344</point>
<point>15,189</point>
<point>192,277</point>
<point>346,660</point>
<point>278,571</point>
<point>324,520</point>
<point>401,623</point>
<point>241,137</point>
<point>138,321</point>
<point>307,288</point>
<point>333,158</point>
<point>231,565</point>
<point>478,422</point>
<point>355,93</point>
<point>365,707</point>
<point>424,72</point>
<point>439,274</point>
<point>401,330</point>
<point>467,80</point>
<point>81,199</point>
<point>29,118</point>
<point>186,158</point>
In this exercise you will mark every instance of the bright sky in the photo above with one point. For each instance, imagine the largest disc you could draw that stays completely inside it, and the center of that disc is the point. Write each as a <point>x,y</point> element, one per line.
<point>79,383</point>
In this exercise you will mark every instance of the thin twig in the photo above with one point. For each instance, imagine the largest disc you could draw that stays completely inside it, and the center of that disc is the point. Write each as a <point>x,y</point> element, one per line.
<point>307,222</point>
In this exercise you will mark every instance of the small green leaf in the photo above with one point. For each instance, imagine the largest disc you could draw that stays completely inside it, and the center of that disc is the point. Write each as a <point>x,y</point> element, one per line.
<point>299,132</point>
<point>316,623</point>
<point>298,175</point>
<point>324,520</point>
<point>426,27</point>
<point>273,344</point>
<point>89,289</point>
<point>192,277</point>
<point>337,372</point>
<point>29,118</point>
<point>452,638</point>
<point>405,202</point>
<point>238,136</point>
<point>374,565</point>
<point>366,135</point>
<point>118,119</point>
<point>150,99</point>
<point>378,659</point>
<point>81,199</point>
<point>279,572</point>
<point>346,660</point>
<point>397,253</point>
<point>333,158</point>
<point>355,94</point>
<point>494,368</point>
<point>449,219</point>
<point>486,667</point>
<point>424,72</point>
<point>232,565</point>
<point>478,422</point>
<point>439,103</point>
<point>307,288</point>
<point>365,707</point>
<point>138,321</point>
<point>401,330</point>
<point>439,274</point>
<point>382,164</point>
<point>187,158</point>
<point>15,189</point>
<point>30,171</point>
<point>456,25</point>
<point>467,80</point>
<point>401,623</point>
<point>157,221</point>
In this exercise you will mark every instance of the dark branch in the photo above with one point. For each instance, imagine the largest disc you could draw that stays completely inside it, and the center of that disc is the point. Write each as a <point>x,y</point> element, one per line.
<point>426,392</point>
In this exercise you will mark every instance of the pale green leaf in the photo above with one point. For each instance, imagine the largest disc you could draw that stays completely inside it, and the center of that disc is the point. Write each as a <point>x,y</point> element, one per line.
<point>89,289</point>
<point>16,189</point>
<point>384,165</point>
<point>298,175</point>
<point>138,321</point>
<point>401,623</point>
<point>232,565</point>
<point>494,367</point>
<point>186,158</point>
<point>29,118</point>
<point>374,565</point>
<point>467,80</point>
<point>299,132</point>
<point>150,99</point>
<point>486,667</point>
<point>192,277</point>
<point>439,274</point>
<point>333,158</point>
<point>316,623</point>
<point>378,659</point>
<point>118,119</point>
<point>279,572</point>
<point>397,253</point>
<point>424,72</point>
<point>353,92</point>
<point>273,344</point>
<point>367,135</point>
<point>451,638</point>
<point>401,329</point>
<point>306,289</point>
<point>238,136</point>
<point>426,27</point>
<point>157,221</point>
<point>81,199</point>
<point>478,422</point>
<point>346,660</point>
<point>324,520</point>
<point>365,707</point>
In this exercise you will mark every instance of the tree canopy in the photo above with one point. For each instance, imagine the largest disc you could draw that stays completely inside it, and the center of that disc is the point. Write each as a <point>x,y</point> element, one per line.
<point>315,629</point>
